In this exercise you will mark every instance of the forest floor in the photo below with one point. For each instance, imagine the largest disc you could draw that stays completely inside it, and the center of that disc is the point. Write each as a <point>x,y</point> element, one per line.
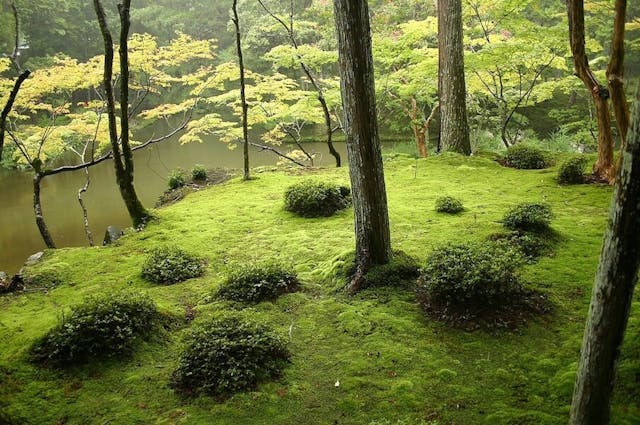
<point>368,359</point>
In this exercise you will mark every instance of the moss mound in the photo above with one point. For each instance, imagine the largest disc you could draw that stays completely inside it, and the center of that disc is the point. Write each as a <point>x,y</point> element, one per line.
<point>314,198</point>
<point>259,282</point>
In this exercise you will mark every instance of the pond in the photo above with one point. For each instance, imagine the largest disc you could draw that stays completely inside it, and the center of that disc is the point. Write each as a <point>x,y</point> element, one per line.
<point>19,236</point>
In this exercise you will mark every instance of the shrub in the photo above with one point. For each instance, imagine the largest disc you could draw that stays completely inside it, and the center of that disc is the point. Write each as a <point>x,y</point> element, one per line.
<point>526,157</point>
<point>177,179</point>
<point>397,272</point>
<point>449,205</point>
<point>311,198</point>
<point>230,355</point>
<point>572,171</point>
<point>528,216</point>
<point>469,275</point>
<point>103,326</point>
<point>260,282</point>
<point>199,172</point>
<point>530,244</point>
<point>169,265</point>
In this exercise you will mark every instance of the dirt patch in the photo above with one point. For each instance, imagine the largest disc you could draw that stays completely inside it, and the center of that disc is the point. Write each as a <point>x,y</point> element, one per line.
<point>215,177</point>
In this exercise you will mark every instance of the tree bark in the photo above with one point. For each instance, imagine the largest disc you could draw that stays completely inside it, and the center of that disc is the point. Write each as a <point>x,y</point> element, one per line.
<point>121,148</point>
<point>373,241</point>
<point>9,105</point>
<point>604,167</point>
<point>243,96</point>
<point>613,291</point>
<point>615,71</point>
<point>453,92</point>
<point>37,208</point>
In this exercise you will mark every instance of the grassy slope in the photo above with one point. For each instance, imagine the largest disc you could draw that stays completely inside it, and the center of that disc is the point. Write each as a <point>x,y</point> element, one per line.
<point>393,366</point>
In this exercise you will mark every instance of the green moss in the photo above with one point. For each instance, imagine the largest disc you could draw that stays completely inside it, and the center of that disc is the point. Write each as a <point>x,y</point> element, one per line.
<point>379,347</point>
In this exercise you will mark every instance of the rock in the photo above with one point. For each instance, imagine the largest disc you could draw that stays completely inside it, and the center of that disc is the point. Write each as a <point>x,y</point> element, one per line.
<point>3,278</point>
<point>10,285</point>
<point>34,259</point>
<point>111,235</point>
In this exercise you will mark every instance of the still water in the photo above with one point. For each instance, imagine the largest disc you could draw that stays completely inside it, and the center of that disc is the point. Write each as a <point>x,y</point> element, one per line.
<point>19,236</point>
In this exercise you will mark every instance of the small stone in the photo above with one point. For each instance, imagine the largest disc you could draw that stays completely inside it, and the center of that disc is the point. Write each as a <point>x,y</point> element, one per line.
<point>112,234</point>
<point>34,259</point>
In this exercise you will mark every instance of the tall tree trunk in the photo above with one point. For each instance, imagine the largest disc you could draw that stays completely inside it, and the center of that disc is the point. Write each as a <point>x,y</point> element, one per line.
<point>243,96</point>
<point>9,105</point>
<point>122,158</point>
<point>453,92</point>
<point>37,208</point>
<point>615,71</point>
<point>604,166</point>
<point>373,240</point>
<point>613,291</point>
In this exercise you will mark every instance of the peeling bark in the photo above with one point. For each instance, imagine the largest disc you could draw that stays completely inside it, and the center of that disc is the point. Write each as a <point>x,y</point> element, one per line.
<point>243,96</point>
<point>613,291</point>
<point>373,241</point>
<point>37,208</point>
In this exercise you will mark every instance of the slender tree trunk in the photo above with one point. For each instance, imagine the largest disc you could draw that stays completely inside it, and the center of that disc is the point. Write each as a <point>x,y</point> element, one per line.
<point>85,213</point>
<point>122,158</point>
<point>37,208</point>
<point>9,105</point>
<point>453,92</point>
<point>243,96</point>
<point>613,291</point>
<point>604,166</point>
<point>615,71</point>
<point>373,241</point>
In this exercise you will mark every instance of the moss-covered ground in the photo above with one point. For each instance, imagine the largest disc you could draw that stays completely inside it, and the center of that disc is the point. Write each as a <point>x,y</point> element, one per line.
<point>368,359</point>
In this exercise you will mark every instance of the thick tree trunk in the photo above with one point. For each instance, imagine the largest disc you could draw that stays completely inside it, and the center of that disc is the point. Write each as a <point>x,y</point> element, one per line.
<point>37,208</point>
<point>9,105</point>
<point>453,92</point>
<point>243,96</point>
<point>373,241</point>
<point>604,166</point>
<point>613,292</point>
<point>615,71</point>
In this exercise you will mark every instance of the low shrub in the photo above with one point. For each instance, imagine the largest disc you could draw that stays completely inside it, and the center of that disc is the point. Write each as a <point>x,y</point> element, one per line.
<point>199,172</point>
<point>526,157</point>
<point>312,198</point>
<point>572,171</point>
<point>103,326</point>
<point>259,282</point>
<point>400,271</point>
<point>528,216</point>
<point>449,205</point>
<point>230,355</point>
<point>169,265</point>
<point>469,276</point>
<point>530,244</point>
<point>177,178</point>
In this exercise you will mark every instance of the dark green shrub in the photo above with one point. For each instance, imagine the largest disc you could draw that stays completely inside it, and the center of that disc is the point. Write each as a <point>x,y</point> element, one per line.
<point>469,276</point>
<point>177,178</point>
<point>259,282</point>
<point>530,244</point>
<point>449,205</point>
<point>528,216</point>
<point>399,271</point>
<point>526,157</point>
<point>312,198</point>
<point>230,355</point>
<point>169,265</point>
<point>103,326</point>
<point>199,172</point>
<point>572,171</point>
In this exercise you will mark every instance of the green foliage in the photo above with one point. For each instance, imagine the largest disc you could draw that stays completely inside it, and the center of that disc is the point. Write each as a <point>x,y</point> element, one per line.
<point>168,265</point>
<point>528,216</point>
<point>401,270</point>
<point>230,355</point>
<point>526,157</point>
<point>259,282</point>
<point>449,205</point>
<point>314,198</point>
<point>177,178</point>
<point>470,275</point>
<point>572,171</point>
<point>103,326</point>
<point>530,244</point>
<point>199,172</point>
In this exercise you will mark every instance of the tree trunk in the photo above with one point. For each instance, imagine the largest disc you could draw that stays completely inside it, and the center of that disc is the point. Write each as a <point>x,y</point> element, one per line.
<point>85,212</point>
<point>243,96</point>
<point>453,93</point>
<point>613,291</point>
<point>373,241</point>
<point>615,71</point>
<point>604,166</point>
<point>122,158</point>
<point>9,105</point>
<point>37,208</point>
